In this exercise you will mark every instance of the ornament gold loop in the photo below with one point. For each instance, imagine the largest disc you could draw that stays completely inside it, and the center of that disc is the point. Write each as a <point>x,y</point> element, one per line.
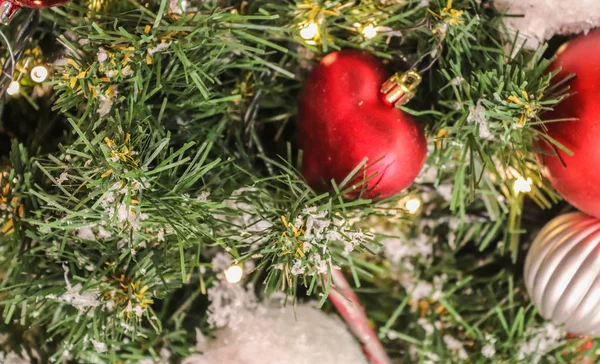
<point>401,87</point>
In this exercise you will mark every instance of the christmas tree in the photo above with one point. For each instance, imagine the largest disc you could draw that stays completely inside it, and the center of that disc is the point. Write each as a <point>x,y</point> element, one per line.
<point>228,181</point>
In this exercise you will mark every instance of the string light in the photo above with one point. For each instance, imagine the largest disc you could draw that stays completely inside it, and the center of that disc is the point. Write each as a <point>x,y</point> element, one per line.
<point>95,5</point>
<point>369,32</point>
<point>522,185</point>
<point>234,274</point>
<point>39,73</point>
<point>413,205</point>
<point>13,88</point>
<point>309,31</point>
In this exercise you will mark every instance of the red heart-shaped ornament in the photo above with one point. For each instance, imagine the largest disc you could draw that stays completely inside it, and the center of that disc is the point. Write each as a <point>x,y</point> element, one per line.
<point>344,119</point>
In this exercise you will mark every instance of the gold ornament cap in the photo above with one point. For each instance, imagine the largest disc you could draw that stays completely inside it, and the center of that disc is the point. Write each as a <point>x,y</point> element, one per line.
<point>401,87</point>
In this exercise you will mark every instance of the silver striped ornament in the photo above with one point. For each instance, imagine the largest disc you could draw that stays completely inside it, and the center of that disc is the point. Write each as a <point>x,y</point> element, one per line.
<point>562,273</point>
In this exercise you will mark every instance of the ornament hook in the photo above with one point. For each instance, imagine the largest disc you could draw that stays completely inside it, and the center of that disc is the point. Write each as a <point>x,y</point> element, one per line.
<point>401,87</point>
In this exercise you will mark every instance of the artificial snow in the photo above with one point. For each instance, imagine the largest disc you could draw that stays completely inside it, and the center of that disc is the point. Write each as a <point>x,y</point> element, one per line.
<point>81,301</point>
<point>247,218</point>
<point>426,325</point>
<point>291,335</point>
<point>127,214</point>
<point>316,223</point>
<point>103,233</point>
<point>158,48</point>
<point>227,301</point>
<point>477,115</point>
<point>177,6</point>
<point>86,233</point>
<point>203,196</point>
<point>488,349</point>
<point>102,55</point>
<point>105,104</point>
<point>99,346</point>
<point>14,358</point>
<point>63,177</point>
<point>457,81</point>
<point>540,340</point>
<point>297,268</point>
<point>401,250</point>
<point>456,346</point>
<point>545,18</point>
<point>432,358</point>
<point>127,71</point>
<point>220,262</point>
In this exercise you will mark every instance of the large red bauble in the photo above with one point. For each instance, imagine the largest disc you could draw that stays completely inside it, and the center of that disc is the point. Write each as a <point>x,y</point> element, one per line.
<point>343,119</point>
<point>38,3</point>
<point>578,181</point>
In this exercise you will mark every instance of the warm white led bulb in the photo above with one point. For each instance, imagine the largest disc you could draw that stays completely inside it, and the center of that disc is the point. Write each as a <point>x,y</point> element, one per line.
<point>234,274</point>
<point>522,185</point>
<point>309,31</point>
<point>39,73</point>
<point>413,205</point>
<point>369,32</point>
<point>13,88</point>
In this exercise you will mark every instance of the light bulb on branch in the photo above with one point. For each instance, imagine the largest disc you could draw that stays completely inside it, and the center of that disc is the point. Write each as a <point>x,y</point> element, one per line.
<point>13,88</point>
<point>522,185</point>
<point>412,205</point>
<point>39,74</point>
<point>369,32</point>
<point>309,31</point>
<point>234,273</point>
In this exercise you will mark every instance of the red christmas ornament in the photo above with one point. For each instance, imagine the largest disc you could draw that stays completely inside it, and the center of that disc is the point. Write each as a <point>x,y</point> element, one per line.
<point>578,180</point>
<point>9,7</point>
<point>38,3</point>
<point>343,119</point>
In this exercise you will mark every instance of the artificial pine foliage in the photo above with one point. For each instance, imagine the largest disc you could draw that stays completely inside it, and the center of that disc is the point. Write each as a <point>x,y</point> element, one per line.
<point>161,150</point>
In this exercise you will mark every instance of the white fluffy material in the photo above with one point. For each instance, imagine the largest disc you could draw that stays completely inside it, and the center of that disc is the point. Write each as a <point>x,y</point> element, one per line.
<point>274,336</point>
<point>546,18</point>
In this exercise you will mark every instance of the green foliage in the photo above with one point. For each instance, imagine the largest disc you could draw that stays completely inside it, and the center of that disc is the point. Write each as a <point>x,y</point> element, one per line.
<point>176,144</point>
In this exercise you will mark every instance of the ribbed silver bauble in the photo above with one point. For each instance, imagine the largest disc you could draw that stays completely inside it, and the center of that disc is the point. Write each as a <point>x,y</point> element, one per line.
<point>562,273</point>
